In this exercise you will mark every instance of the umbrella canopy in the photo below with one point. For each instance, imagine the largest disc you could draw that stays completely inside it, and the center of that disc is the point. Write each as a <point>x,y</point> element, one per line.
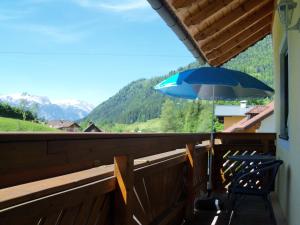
<point>206,82</point>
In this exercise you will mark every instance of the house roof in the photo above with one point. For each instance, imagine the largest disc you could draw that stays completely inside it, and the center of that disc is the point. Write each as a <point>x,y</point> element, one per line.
<point>247,123</point>
<point>92,127</point>
<point>231,110</point>
<point>256,110</point>
<point>58,124</point>
<point>216,31</point>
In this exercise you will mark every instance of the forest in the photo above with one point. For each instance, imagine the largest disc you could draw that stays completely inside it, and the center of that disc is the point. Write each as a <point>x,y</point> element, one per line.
<point>16,112</point>
<point>138,102</point>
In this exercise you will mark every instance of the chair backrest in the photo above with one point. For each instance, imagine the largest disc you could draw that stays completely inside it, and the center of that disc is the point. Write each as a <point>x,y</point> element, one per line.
<point>258,179</point>
<point>269,171</point>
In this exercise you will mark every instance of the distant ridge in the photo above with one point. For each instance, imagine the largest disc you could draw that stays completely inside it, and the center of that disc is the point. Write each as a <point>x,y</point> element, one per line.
<point>47,109</point>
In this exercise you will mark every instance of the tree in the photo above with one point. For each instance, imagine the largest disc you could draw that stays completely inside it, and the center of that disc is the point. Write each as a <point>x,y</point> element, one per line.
<point>168,116</point>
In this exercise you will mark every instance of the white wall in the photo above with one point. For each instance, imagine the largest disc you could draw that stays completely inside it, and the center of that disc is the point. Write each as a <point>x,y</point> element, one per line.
<point>288,184</point>
<point>267,125</point>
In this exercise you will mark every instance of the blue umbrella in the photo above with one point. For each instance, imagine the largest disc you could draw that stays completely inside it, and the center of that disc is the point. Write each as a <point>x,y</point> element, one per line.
<point>214,83</point>
<point>211,83</point>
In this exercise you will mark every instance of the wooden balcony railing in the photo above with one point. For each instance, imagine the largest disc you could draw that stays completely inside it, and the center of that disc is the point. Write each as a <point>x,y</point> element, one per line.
<point>108,178</point>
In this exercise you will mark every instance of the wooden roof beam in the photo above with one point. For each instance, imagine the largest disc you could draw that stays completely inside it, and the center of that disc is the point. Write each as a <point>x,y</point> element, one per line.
<point>262,24</point>
<point>229,18</point>
<point>177,4</point>
<point>197,16</point>
<point>236,28</point>
<point>241,47</point>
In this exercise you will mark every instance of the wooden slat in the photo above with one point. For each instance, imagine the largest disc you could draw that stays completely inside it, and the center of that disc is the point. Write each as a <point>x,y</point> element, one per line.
<point>105,218</point>
<point>244,9</point>
<point>225,47</point>
<point>198,16</point>
<point>182,3</point>
<point>233,30</point>
<point>143,203</point>
<point>84,211</point>
<point>105,186</point>
<point>95,210</point>
<point>124,192</point>
<point>245,136</point>
<point>169,216</point>
<point>42,207</point>
<point>156,167</point>
<point>38,189</point>
<point>52,218</point>
<point>191,180</point>
<point>25,192</point>
<point>241,47</point>
<point>70,215</point>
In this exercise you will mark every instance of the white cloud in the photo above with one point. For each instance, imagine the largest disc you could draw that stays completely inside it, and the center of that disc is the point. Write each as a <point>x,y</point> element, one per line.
<point>111,5</point>
<point>54,33</point>
<point>6,15</point>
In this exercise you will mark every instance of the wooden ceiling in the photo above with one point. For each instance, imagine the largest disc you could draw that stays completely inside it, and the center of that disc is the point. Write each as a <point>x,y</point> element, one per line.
<point>221,29</point>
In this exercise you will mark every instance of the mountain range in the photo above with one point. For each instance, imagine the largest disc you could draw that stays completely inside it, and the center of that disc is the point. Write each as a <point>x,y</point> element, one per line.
<point>49,109</point>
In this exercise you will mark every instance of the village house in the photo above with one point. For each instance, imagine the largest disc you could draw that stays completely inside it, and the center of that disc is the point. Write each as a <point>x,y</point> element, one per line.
<point>258,119</point>
<point>92,128</point>
<point>231,114</point>
<point>64,125</point>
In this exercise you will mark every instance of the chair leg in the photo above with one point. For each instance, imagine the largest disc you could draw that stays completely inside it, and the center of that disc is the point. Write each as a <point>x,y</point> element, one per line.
<point>232,206</point>
<point>270,207</point>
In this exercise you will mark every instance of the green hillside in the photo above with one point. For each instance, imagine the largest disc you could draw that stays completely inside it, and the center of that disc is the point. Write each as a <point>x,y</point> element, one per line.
<point>138,102</point>
<point>8,124</point>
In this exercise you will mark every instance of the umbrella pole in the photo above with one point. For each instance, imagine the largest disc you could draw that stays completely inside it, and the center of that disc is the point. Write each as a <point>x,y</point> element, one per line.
<point>210,152</point>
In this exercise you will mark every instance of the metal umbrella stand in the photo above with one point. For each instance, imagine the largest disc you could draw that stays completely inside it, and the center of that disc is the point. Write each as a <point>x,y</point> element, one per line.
<point>210,153</point>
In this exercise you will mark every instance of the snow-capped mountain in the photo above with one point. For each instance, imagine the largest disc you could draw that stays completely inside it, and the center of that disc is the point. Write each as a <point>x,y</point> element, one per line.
<point>69,109</point>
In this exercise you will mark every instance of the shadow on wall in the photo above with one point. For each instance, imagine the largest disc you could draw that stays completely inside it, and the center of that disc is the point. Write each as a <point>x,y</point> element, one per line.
<point>288,191</point>
<point>284,186</point>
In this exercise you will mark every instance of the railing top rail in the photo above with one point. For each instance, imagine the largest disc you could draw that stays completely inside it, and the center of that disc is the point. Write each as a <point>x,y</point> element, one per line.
<point>26,157</point>
<point>246,135</point>
<point>40,136</point>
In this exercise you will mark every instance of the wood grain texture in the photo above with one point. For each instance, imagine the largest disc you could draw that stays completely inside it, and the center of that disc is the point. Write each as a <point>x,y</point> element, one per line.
<point>242,10</point>
<point>157,190</point>
<point>234,29</point>
<point>61,208</point>
<point>191,179</point>
<point>241,46</point>
<point>123,169</point>
<point>228,45</point>
<point>209,24</point>
<point>213,7</point>
<point>29,157</point>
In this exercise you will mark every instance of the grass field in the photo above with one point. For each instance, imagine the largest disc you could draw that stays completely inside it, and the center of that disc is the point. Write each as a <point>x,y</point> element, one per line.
<point>7,124</point>
<point>153,125</point>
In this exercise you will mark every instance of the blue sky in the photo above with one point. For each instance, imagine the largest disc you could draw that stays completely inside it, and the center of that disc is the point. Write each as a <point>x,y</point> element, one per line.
<point>83,49</point>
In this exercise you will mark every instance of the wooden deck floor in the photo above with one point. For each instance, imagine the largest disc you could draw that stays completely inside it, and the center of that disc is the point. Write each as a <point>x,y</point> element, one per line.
<point>251,211</point>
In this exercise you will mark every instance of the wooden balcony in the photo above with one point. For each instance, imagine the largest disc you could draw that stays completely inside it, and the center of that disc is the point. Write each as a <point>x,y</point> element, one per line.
<point>81,179</point>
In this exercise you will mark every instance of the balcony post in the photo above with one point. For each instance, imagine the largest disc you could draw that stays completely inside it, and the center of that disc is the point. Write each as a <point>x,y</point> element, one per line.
<point>123,170</point>
<point>191,180</point>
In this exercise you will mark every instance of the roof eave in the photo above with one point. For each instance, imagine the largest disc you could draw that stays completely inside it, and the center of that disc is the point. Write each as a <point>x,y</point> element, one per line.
<point>171,20</point>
